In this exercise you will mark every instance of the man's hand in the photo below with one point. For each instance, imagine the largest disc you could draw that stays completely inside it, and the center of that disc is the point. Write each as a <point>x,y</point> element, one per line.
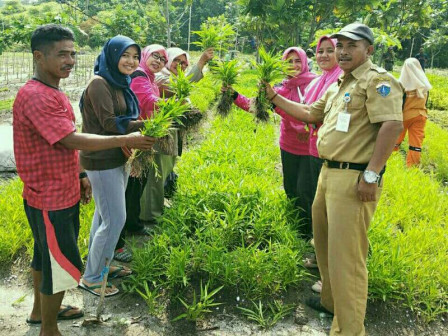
<point>139,141</point>
<point>367,191</point>
<point>86,190</point>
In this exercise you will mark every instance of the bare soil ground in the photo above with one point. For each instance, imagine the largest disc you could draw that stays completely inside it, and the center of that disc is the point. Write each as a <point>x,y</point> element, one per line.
<point>126,314</point>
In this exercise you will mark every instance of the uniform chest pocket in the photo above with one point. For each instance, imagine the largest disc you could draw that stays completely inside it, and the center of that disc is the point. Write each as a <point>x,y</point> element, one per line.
<point>328,106</point>
<point>357,101</point>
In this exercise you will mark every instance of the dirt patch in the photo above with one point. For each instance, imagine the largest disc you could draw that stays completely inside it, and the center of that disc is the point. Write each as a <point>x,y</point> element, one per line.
<point>127,315</point>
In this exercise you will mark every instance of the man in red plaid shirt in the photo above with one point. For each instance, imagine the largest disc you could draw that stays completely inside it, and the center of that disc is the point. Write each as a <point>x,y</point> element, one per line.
<point>45,143</point>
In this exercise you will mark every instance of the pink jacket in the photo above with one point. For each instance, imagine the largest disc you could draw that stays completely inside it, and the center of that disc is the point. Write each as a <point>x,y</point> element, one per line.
<point>145,87</point>
<point>147,93</point>
<point>315,91</point>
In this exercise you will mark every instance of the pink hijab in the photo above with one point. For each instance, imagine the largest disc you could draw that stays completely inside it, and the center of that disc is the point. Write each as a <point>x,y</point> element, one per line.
<point>289,85</point>
<point>146,53</point>
<point>326,79</point>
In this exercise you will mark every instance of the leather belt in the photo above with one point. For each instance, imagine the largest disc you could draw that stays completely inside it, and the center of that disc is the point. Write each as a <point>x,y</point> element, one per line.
<point>345,165</point>
<point>348,165</point>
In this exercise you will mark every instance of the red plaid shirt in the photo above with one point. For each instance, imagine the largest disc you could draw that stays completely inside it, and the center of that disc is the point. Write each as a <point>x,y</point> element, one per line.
<point>42,116</point>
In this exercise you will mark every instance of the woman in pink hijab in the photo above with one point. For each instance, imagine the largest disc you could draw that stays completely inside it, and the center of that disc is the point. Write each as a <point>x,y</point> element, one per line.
<point>153,59</point>
<point>294,136</point>
<point>326,60</point>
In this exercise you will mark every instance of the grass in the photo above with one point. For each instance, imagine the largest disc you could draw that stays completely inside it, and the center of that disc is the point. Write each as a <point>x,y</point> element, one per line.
<point>409,241</point>
<point>434,160</point>
<point>6,104</point>
<point>438,98</point>
<point>14,230</point>
<point>439,117</point>
<point>228,225</point>
<point>434,154</point>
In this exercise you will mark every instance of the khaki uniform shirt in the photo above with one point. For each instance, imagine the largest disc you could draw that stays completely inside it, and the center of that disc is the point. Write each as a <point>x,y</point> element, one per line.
<point>370,105</point>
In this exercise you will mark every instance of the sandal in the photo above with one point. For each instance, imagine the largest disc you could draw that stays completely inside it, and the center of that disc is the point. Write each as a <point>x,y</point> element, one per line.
<point>61,315</point>
<point>317,287</point>
<point>116,274</point>
<point>310,263</point>
<point>123,255</point>
<point>91,289</point>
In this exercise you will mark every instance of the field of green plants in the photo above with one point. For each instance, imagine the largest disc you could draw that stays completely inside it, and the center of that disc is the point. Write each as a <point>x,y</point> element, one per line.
<point>230,228</point>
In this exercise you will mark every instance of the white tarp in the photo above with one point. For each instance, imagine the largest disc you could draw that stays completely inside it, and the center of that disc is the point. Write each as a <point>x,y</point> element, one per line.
<point>7,163</point>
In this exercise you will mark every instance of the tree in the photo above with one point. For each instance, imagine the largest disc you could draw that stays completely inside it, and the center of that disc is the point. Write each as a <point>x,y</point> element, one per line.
<point>12,7</point>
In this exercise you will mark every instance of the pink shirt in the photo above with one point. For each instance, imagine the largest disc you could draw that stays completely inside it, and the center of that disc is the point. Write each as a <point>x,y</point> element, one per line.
<point>147,93</point>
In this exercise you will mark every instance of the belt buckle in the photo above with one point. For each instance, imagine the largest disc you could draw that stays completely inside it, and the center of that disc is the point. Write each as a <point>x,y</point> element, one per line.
<point>344,165</point>
<point>326,163</point>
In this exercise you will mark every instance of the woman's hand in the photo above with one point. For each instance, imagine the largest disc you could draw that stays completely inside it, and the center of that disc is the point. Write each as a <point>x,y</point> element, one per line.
<point>270,93</point>
<point>207,55</point>
<point>226,88</point>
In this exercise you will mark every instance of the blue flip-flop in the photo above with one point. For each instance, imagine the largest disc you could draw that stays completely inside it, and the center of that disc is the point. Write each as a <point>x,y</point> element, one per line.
<point>91,289</point>
<point>116,274</point>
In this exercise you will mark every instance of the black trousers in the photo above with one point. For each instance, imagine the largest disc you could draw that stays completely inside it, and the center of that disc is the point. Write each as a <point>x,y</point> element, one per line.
<point>298,187</point>
<point>134,191</point>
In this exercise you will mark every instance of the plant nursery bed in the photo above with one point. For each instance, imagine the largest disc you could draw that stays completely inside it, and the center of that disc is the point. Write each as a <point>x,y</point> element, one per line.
<point>126,314</point>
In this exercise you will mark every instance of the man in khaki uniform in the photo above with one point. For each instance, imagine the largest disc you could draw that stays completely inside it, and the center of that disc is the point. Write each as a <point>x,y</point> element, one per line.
<point>362,117</point>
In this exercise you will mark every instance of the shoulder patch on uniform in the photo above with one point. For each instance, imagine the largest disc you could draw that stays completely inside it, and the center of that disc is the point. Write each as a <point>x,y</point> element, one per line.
<point>383,89</point>
<point>378,69</point>
<point>382,78</point>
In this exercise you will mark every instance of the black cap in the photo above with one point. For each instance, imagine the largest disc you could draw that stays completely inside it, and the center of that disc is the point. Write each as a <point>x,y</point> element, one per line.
<point>356,31</point>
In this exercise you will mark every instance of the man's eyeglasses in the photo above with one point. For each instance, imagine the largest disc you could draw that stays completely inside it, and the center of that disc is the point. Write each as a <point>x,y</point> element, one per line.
<point>159,57</point>
<point>178,61</point>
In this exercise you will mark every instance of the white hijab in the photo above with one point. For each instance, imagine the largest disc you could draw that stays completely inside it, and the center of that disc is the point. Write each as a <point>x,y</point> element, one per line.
<point>413,77</point>
<point>173,53</point>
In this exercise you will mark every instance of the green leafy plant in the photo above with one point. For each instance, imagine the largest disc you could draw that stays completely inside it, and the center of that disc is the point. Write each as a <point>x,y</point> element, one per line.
<point>198,308</point>
<point>271,68</point>
<point>180,84</point>
<point>182,87</point>
<point>151,298</point>
<point>227,73</point>
<point>214,35</point>
<point>158,126</point>
<point>267,317</point>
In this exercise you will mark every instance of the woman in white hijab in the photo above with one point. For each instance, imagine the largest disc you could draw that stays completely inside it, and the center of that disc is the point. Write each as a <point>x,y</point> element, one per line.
<point>416,86</point>
<point>176,57</point>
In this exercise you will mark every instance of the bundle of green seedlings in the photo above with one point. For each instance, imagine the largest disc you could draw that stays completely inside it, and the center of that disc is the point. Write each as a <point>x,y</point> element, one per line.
<point>214,35</point>
<point>181,86</point>
<point>227,73</point>
<point>158,126</point>
<point>270,69</point>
